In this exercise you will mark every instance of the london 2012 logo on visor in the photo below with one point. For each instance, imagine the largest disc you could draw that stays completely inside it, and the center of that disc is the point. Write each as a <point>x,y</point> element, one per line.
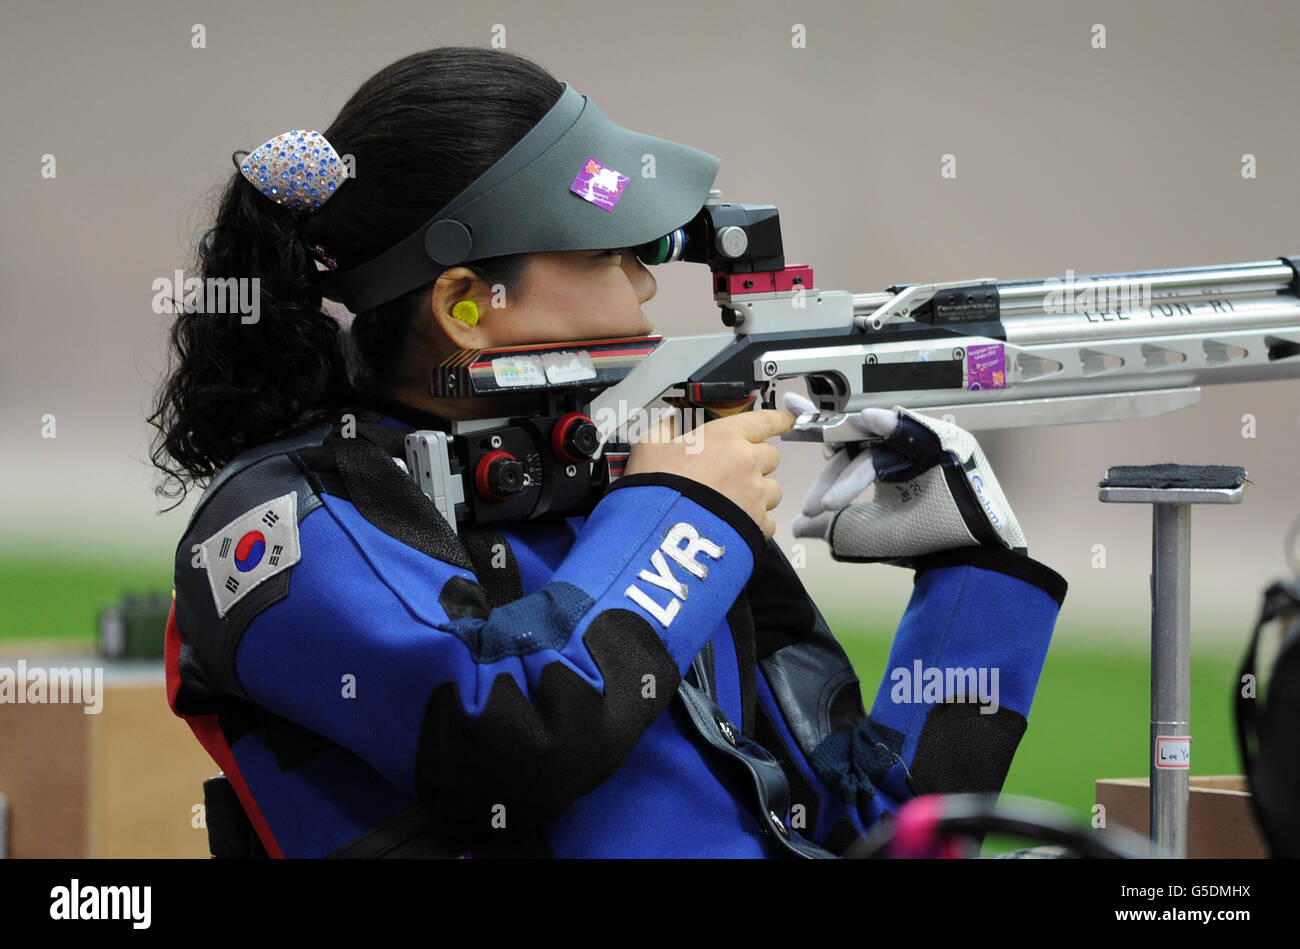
<point>598,184</point>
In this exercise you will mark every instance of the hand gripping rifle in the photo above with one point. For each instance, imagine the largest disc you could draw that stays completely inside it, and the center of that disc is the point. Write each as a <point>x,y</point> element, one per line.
<point>985,353</point>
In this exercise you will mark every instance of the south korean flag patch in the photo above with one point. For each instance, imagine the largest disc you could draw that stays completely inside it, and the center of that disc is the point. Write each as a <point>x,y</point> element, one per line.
<point>251,548</point>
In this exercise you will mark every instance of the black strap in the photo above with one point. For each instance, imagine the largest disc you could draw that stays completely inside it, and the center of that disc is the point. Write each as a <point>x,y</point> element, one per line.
<point>702,671</point>
<point>772,790</point>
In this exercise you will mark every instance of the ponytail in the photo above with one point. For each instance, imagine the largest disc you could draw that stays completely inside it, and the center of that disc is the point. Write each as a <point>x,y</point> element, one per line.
<point>239,383</point>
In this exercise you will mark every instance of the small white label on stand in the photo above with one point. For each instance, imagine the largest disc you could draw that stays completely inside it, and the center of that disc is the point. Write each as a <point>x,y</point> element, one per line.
<point>518,371</point>
<point>1173,751</point>
<point>568,367</point>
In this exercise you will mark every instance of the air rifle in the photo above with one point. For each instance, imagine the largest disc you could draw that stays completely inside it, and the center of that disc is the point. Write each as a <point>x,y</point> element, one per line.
<point>984,353</point>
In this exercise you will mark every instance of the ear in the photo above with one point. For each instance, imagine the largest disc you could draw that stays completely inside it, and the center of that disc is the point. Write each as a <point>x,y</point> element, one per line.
<point>455,285</point>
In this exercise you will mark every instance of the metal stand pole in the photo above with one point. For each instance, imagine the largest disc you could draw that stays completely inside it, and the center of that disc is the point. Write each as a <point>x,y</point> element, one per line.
<point>1171,490</point>
<point>1171,675</point>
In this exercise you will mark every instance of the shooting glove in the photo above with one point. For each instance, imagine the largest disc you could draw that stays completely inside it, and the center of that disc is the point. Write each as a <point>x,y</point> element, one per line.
<point>934,490</point>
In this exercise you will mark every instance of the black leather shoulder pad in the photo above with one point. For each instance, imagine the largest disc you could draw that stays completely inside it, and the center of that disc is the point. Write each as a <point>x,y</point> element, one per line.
<point>208,640</point>
<point>242,463</point>
<point>806,668</point>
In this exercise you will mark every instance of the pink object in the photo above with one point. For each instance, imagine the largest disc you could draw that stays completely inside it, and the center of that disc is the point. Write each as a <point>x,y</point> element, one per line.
<point>914,827</point>
<point>598,184</point>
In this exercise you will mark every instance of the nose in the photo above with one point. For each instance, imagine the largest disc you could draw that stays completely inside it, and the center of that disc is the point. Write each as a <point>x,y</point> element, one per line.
<point>643,281</point>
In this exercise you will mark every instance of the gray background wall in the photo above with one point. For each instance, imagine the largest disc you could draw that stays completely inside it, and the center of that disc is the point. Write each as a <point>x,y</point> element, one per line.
<point>1094,160</point>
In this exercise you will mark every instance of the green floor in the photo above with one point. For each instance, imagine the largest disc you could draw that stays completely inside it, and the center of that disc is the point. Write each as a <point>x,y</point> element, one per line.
<point>1089,718</point>
<point>54,598</point>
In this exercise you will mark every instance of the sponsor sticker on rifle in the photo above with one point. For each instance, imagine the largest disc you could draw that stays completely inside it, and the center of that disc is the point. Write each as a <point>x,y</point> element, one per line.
<point>986,366</point>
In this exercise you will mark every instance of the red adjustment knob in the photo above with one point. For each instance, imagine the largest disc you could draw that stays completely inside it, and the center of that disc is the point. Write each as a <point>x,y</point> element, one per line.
<point>575,438</point>
<point>498,475</point>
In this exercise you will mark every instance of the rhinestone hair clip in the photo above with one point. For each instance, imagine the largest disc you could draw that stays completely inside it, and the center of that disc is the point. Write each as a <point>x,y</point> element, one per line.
<point>298,169</point>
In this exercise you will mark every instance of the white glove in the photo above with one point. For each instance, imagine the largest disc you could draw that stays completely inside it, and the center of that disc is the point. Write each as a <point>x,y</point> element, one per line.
<point>934,491</point>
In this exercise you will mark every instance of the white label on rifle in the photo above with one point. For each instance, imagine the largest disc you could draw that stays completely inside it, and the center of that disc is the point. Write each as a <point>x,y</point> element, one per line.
<point>518,371</point>
<point>568,367</point>
<point>1173,751</point>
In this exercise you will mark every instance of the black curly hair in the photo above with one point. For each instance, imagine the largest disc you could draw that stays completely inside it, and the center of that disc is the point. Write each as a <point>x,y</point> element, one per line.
<point>419,131</point>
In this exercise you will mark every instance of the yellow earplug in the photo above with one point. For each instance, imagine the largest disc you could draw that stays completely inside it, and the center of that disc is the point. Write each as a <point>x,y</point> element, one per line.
<point>466,311</point>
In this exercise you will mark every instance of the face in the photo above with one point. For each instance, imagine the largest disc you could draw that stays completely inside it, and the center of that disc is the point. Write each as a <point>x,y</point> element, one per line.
<point>584,295</point>
<point>564,295</point>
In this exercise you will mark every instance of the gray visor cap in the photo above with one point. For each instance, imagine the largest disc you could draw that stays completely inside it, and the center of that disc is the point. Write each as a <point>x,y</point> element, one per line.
<point>524,203</point>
